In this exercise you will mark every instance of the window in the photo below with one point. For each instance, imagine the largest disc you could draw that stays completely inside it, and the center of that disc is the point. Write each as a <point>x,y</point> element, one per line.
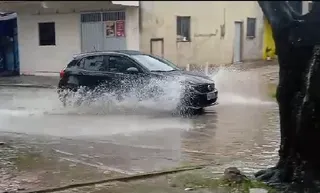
<point>47,34</point>
<point>120,64</point>
<point>251,27</point>
<point>155,64</point>
<point>93,63</point>
<point>183,28</point>
<point>73,64</point>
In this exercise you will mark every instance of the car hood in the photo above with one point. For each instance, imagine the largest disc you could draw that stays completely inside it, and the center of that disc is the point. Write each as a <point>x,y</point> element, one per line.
<point>191,77</point>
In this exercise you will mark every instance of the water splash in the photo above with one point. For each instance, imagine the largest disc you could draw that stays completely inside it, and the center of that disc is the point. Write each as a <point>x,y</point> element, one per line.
<point>235,88</point>
<point>158,95</point>
<point>240,87</point>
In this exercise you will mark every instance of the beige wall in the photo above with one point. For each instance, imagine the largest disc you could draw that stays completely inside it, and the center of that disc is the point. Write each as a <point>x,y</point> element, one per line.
<point>158,20</point>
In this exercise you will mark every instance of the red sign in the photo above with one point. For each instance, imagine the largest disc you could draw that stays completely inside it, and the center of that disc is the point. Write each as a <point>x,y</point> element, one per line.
<point>120,28</point>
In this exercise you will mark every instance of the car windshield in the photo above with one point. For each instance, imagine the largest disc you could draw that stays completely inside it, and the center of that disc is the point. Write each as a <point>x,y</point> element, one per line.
<point>155,64</point>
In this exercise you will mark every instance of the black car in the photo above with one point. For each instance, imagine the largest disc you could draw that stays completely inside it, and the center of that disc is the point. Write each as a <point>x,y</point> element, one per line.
<point>127,70</point>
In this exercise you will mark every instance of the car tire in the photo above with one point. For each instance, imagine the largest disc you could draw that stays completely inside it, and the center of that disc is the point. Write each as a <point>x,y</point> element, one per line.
<point>199,111</point>
<point>185,110</point>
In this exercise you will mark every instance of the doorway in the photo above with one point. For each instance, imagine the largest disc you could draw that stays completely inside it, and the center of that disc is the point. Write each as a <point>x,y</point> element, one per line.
<point>103,31</point>
<point>9,53</point>
<point>157,47</point>
<point>237,52</point>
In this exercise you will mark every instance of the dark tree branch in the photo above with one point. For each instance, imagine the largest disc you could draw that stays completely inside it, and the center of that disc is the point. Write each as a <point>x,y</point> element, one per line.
<point>279,14</point>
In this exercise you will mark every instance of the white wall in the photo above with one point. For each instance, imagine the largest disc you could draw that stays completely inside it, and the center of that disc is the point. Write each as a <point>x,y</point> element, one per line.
<point>132,28</point>
<point>305,7</point>
<point>35,58</point>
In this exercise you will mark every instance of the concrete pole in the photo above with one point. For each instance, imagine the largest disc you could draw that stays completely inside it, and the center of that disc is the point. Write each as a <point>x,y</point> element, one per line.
<point>188,67</point>
<point>206,68</point>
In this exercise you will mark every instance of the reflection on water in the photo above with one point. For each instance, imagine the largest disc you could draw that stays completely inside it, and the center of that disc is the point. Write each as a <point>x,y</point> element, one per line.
<point>242,136</point>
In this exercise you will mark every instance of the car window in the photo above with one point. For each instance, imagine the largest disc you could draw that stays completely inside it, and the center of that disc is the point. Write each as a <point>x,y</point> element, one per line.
<point>94,63</point>
<point>73,64</point>
<point>154,63</point>
<point>120,64</point>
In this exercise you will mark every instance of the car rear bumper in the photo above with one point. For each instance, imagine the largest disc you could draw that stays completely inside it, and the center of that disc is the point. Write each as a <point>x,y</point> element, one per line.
<point>200,100</point>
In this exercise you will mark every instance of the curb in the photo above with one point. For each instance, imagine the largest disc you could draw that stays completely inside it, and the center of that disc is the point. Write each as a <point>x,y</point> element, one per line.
<point>119,179</point>
<point>28,86</point>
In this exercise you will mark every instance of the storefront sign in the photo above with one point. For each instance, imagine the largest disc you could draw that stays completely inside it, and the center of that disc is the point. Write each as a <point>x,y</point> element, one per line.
<point>120,28</point>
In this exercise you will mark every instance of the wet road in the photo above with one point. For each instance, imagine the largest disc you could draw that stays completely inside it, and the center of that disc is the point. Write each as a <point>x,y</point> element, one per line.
<point>241,131</point>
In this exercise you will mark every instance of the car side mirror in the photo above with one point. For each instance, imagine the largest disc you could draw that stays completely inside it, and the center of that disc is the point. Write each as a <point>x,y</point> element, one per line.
<point>132,70</point>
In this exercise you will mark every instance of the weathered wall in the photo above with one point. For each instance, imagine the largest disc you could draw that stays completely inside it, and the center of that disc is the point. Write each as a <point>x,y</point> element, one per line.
<point>158,20</point>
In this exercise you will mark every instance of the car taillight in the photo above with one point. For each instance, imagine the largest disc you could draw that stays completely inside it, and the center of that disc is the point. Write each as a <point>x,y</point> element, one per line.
<point>61,73</point>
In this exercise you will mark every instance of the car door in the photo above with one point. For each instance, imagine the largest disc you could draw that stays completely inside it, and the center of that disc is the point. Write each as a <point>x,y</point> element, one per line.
<point>91,74</point>
<point>120,78</point>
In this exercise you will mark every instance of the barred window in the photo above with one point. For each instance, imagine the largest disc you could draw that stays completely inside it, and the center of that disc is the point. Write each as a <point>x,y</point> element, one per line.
<point>251,27</point>
<point>114,16</point>
<point>183,28</point>
<point>90,17</point>
<point>105,16</point>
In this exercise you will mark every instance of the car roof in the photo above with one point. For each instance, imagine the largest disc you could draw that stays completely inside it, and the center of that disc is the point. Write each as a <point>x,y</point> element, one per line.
<point>124,52</point>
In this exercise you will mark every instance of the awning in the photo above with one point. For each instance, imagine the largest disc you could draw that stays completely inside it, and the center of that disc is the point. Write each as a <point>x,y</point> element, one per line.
<point>7,16</point>
<point>36,7</point>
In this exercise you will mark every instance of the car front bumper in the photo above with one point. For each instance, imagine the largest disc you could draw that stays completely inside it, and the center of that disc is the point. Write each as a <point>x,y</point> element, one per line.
<point>197,100</point>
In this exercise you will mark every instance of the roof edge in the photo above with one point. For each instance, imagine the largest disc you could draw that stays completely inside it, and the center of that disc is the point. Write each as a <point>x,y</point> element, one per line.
<point>7,16</point>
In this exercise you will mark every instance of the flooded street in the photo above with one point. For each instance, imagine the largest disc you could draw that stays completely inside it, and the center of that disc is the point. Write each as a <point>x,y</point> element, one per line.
<point>241,131</point>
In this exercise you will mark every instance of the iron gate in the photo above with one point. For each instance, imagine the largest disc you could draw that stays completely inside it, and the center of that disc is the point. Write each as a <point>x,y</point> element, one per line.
<point>98,31</point>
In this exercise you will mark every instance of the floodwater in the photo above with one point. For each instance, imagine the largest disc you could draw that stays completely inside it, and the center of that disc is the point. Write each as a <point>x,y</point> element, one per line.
<point>131,137</point>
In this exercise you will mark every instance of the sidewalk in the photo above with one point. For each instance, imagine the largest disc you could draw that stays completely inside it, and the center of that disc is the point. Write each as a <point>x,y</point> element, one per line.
<point>29,81</point>
<point>268,69</point>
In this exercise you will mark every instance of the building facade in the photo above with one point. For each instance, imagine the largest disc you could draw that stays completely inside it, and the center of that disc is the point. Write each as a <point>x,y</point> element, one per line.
<point>50,33</point>
<point>202,32</point>
<point>195,32</point>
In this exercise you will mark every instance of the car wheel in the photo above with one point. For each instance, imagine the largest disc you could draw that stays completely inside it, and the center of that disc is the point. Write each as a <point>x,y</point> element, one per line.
<point>185,110</point>
<point>199,111</point>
